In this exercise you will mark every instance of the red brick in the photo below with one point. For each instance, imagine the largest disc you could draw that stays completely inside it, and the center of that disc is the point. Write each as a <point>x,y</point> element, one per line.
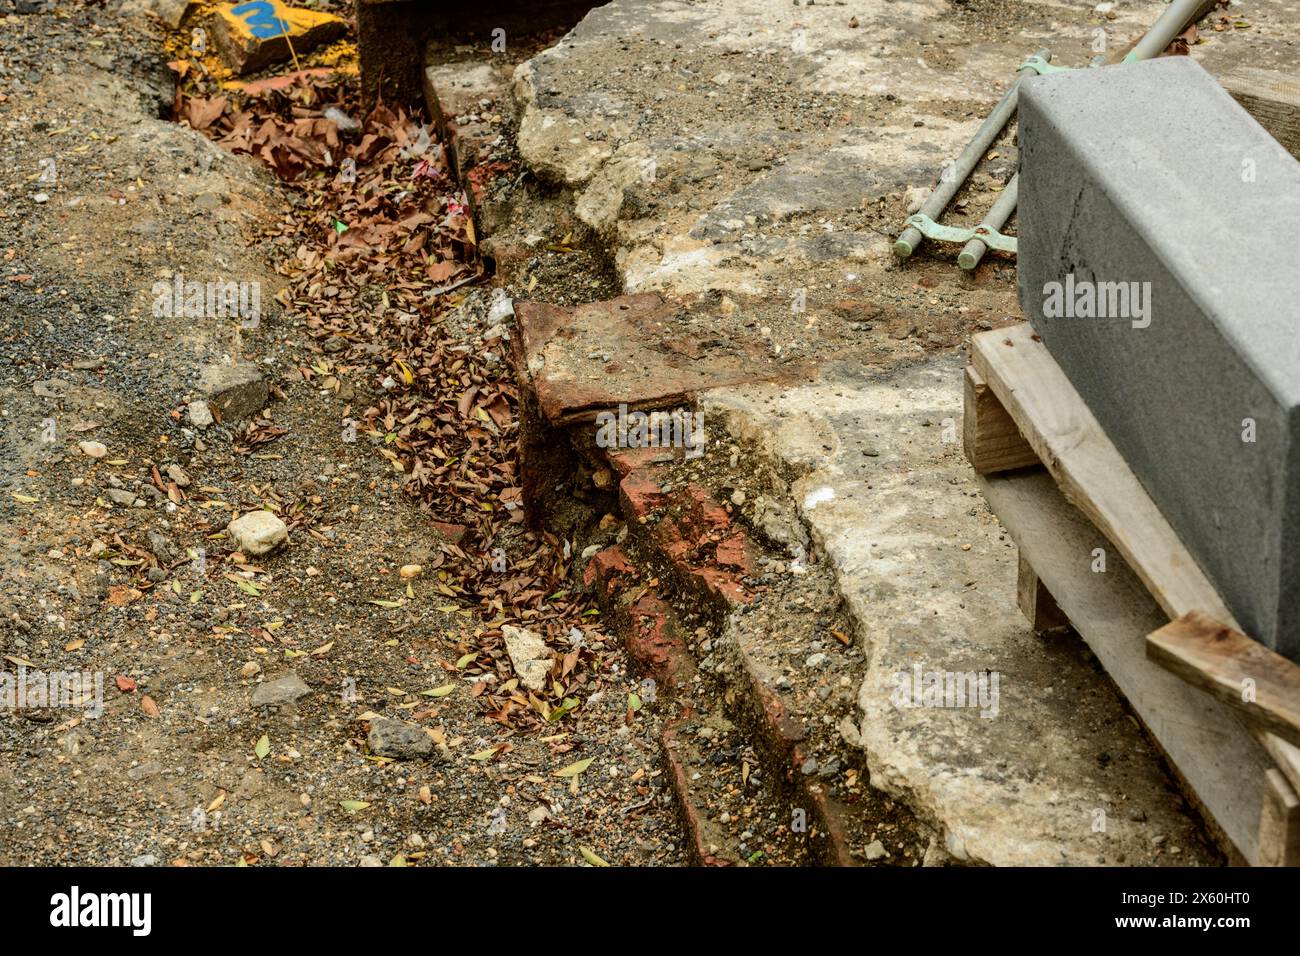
<point>624,461</point>
<point>640,495</point>
<point>733,552</point>
<point>607,567</point>
<point>723,585</point>
<point>652,640</point>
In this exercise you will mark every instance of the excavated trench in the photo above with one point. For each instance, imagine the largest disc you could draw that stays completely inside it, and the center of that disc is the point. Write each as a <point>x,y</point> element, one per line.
<point>703,596</point>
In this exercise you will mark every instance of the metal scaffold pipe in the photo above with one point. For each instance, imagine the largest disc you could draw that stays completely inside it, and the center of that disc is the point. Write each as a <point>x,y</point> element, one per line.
<point>994,220</point>
<point>938,200</point>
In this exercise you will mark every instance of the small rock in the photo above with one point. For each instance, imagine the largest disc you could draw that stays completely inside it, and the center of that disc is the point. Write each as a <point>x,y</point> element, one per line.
<point>250,669</point>
<point>809,767</point>
<point>529,655</point>
<point>92,449</point>
<point>121,496</point>
<point>257,533</point>
<point>816,660</point>
<point>200,415</point>
<point>163,549</point>
<point>875,851</point>
<point>238,390</point>
<point>147,859</point>
<point>397,738</point>
<point>286,689</point>
<point>738,497</point>
<point>179,475</point>
<point>409,571</point>
<point>370,860</point>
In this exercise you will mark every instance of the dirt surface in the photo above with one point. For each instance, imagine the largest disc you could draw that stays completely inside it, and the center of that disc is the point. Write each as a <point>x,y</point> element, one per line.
<point>149,596</point>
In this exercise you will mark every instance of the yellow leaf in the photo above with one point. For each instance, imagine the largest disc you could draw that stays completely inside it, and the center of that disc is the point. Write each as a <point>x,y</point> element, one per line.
<point>442,691</point>
<point>353,806</point>
<point>591,857</point>
<point>573,769</point>
<point>25,499</point>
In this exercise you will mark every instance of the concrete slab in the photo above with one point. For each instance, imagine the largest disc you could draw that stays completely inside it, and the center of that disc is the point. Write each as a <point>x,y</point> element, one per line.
<point>1147,270</point>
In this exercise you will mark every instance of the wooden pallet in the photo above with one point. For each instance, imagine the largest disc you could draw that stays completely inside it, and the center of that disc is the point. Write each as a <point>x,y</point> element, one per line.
<point>1067,497</point>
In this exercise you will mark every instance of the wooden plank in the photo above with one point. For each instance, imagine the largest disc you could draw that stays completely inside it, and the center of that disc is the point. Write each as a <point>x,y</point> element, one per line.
<point>1272,98</point>
<point>1090,471</point>
<point>1220,761</point>
<point>1279,823</point>
<point>1287,757</point>
<point>1036,602</point>
<point>1241,672</point>
<point>992,441</point>
<point>1093,476</point>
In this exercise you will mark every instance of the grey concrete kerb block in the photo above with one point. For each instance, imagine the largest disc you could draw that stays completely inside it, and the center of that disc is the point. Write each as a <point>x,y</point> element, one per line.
<point>1157,261</point>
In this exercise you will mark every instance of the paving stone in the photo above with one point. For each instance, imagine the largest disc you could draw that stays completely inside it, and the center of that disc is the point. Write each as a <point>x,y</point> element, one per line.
<point>637,350</point>
<point>1149,179</point>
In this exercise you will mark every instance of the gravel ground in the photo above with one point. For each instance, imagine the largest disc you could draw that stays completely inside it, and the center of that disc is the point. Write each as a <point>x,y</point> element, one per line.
<point>109,497</point>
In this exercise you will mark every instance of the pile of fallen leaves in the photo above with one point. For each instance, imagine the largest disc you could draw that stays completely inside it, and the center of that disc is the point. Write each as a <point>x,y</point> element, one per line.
<point>385,242</point>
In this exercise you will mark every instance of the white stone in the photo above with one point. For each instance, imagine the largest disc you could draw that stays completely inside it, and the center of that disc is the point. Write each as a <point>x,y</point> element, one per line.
<point>199,414</point>
<point>257,533</point>
<point>529,655</point>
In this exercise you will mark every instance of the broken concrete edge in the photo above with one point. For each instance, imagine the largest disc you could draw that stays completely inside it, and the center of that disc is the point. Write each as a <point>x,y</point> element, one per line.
<point>944,849</point>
